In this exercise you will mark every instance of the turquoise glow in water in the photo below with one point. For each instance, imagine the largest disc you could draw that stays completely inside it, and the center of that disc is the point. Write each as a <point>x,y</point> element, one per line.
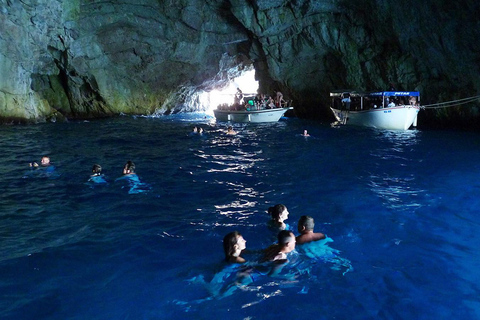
<point>399,209</point>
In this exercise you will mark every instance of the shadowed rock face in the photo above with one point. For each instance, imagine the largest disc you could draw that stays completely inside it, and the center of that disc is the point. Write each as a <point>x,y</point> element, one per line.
<point>93,58</point>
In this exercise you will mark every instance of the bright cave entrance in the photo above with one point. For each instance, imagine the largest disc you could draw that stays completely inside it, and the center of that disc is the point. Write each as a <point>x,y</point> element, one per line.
<point>244,80</point>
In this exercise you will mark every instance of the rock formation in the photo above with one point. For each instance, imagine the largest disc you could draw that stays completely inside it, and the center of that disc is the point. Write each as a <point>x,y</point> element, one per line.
<point>95,58</point>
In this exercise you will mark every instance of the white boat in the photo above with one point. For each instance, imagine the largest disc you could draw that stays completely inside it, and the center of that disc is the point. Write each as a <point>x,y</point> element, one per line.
<point>391,110</point>
<point>256,116</point>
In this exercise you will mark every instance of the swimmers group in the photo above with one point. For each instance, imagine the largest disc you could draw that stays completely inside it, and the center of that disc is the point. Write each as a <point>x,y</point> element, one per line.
<point>234,244</point>
<point>96,175</point>
<point>272,259</point>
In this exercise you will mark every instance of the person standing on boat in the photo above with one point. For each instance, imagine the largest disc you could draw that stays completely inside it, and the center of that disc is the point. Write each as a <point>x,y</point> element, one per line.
<point>279,99</point>
<point>346,101</point>
<point>238,100</point>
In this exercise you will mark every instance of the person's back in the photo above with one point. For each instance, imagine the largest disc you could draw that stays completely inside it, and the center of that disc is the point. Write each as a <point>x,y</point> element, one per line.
<point>305,228</point>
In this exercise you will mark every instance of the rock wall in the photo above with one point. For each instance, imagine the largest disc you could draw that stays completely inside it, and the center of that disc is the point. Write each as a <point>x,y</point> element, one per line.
<point>94,58</point>
<point>312,47</point>
<point>84,58</point>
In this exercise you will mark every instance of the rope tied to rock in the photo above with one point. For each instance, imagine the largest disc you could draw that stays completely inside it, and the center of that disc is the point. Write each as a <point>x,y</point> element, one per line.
<point>448,104</point>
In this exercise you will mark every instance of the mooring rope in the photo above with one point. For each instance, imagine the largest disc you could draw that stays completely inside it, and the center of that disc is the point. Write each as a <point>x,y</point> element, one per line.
<point>452,103</point>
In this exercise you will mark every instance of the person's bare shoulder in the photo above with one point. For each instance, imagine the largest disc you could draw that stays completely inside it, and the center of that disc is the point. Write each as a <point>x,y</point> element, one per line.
<point>301,239</point>
<point>318,236</point>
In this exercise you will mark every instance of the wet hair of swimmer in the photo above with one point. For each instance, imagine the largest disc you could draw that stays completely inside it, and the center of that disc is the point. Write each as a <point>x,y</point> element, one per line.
<point>96,169</point>
<point>276,211</point>
<point>285,237</point>
<point>130,166</point>
<point>229,241</point>
<point>307,222</point>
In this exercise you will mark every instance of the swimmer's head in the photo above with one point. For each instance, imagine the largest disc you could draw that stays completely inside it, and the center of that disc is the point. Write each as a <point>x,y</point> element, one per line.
<point>286,239</point>
<point>233,243</point>
<point>45,161</point>
<point>129,168</point>
<point>278,212</point>
<point>96,170</point>
<point>306,223</point>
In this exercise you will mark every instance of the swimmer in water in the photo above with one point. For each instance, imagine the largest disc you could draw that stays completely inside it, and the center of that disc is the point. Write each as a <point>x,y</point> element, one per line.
<point>96,170</point>
<point>220,286</point>
<point>278,252</point>
<point>44,162</point>
<point>305,227</point>
<point>129,175</point>
<point>233,245</point>
<point>230,131</point>
<point>129,168</point>
<point>97,176</point>
<point>305,133</point>
<point>279,214</point>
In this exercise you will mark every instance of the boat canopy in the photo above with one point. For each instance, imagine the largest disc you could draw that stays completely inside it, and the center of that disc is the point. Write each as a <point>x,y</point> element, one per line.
<point>376,94</point>
<point>394,93</point>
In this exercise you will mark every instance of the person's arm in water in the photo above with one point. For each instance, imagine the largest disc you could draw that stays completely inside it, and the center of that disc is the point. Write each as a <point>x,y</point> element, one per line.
<point>310,236</point>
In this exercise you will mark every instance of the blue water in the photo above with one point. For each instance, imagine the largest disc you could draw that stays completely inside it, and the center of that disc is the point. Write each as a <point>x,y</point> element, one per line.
<point>400,210</point>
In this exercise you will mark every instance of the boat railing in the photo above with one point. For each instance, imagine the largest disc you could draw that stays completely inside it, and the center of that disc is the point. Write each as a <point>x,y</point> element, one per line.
<point>253,106</point>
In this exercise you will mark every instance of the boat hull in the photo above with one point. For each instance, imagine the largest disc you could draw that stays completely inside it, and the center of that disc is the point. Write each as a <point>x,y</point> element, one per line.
<point>394,118</point>
<point>256,116</point>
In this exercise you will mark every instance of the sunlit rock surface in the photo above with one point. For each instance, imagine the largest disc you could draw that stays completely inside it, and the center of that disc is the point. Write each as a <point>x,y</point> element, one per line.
<point>93,58</point>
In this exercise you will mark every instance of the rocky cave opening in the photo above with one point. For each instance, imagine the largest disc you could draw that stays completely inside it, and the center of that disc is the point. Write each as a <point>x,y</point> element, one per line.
<point>221,89</point>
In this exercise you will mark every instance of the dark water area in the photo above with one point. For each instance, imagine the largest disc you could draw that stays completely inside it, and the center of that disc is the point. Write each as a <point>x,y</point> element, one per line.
<point>400,210</point>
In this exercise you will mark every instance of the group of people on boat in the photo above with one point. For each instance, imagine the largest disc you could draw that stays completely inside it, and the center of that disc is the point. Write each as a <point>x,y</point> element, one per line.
<point>260,101</point>
<point>352,103</point>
